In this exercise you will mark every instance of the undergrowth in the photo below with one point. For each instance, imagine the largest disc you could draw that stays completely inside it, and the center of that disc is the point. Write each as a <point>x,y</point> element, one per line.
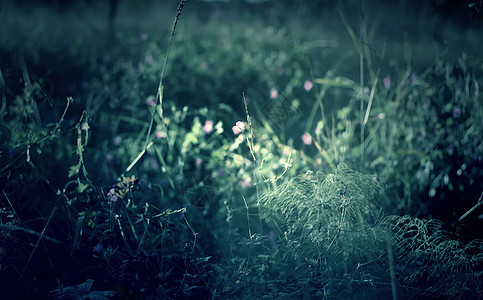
<point>239,164</point>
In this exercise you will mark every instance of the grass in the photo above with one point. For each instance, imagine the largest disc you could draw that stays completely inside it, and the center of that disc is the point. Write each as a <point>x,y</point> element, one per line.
<point>245,151</point>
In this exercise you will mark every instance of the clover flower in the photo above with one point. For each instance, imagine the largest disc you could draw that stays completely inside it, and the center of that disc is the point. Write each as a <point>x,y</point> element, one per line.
<point>150,101</point>
<point>160,134</point>
<point>246,182</point>
<point>307,138</point>
<point>239,127</point>
<point>456,112</point>
<point>273,93</point>
<point>111,195</point>
<point>386,81</point>
<point>208,127</point>
<point>308,85</point>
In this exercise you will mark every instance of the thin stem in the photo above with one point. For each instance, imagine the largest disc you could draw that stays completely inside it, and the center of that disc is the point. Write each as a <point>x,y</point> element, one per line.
<point>248,217</point>
<point>159,94</point>
<point>38,241</point>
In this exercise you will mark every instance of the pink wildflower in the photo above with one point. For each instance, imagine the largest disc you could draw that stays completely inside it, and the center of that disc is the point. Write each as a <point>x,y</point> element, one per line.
<point>160,134</point>
<point>456,112</point>
<point>144,36</point>
<point>111,196</point>
<point>208,127</point>
<point>150,101</point>
<point>286,151</point>
<point>386,82</point>
<point>246,182</point>
<point>273,93</point>
<point>307,138</point>
<point>308,85</point>
<point>239,127</point>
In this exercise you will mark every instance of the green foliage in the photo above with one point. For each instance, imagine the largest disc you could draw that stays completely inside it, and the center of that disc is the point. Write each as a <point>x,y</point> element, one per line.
<point>206,189</point>
<point>325,210</point>
<point>328,237</point>
<point>419,126</point>
<point>329,232</point>
<point>434,262</point>
<point>414,124</point>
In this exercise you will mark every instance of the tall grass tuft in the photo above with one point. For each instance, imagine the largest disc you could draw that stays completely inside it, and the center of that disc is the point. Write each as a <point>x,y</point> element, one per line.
<point>159,95</point>
<point>329,227</point>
